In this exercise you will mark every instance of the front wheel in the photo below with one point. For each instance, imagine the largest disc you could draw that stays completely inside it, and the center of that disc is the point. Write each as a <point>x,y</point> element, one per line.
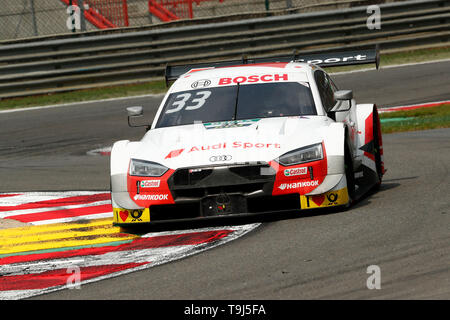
<point>378,146</point>
<point>349,175</point>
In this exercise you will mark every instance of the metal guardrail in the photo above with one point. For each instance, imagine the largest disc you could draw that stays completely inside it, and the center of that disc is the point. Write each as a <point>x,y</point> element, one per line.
<point>131,57</point>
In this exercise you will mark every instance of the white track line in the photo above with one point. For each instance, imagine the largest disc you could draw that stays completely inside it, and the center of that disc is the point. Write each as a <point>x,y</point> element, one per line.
<point>413,106</point>
<point>391,66</point>
<point>155,95</point>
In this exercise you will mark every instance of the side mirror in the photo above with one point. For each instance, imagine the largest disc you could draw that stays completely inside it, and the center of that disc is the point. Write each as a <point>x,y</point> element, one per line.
<point>343,95</point>
<point>134,112</point>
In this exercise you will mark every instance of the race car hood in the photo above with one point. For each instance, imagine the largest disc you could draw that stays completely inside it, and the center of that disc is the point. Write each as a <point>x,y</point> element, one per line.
<point>229,142</point>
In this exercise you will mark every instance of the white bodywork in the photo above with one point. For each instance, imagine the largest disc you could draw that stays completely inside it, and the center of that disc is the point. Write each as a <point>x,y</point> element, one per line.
<point>251,141</point>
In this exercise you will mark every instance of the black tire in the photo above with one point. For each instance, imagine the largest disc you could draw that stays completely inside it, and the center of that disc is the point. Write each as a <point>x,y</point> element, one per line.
<point>349,174</point>
<point>376,147</point>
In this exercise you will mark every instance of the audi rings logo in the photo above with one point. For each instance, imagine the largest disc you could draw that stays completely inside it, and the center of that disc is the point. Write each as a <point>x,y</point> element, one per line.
<point>201,83</point>
<point>220,158</point>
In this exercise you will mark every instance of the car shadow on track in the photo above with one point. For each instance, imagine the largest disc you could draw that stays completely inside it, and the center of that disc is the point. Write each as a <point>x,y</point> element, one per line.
<point>366,198</point>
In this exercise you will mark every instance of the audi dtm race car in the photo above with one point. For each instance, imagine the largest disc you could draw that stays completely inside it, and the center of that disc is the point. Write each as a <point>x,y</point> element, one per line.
<point>246,137</point>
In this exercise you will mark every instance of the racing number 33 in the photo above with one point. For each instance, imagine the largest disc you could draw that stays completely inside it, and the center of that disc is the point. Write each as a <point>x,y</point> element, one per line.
<point>181,100</point>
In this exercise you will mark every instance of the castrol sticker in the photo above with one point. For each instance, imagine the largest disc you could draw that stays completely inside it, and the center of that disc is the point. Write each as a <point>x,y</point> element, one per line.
<point>150,183</point>
<point>295,171</point>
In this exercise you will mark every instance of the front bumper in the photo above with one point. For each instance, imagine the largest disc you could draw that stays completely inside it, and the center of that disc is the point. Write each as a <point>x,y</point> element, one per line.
<point>229,190</point>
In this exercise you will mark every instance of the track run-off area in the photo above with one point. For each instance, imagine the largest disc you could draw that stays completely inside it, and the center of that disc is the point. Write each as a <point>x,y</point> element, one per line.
<point>70,241</point>
<point>55,238</point>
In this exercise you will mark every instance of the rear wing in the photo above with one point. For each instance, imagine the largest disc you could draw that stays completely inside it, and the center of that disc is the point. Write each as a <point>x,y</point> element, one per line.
<point>332,59</point>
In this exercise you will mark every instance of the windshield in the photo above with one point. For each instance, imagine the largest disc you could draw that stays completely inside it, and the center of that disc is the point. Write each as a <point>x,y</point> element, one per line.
<point>238,102</point>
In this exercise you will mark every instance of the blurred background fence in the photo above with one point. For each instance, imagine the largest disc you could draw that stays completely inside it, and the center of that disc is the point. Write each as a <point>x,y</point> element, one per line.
<point>32,18</point>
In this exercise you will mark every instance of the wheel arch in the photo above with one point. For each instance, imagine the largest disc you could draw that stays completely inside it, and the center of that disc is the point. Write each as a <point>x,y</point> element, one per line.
<point>369,149</point>
<point>334,142</point>
<point>119,163</point>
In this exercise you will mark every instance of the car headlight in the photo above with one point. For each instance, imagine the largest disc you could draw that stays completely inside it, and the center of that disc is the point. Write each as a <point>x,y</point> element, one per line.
<point>306,154</point>
<point>146,168</point>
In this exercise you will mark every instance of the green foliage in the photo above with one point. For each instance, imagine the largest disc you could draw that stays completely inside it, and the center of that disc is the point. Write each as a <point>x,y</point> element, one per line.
<point>417,119</point>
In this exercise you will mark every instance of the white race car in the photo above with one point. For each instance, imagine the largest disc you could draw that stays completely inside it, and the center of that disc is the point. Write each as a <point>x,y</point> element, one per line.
<point>245,137</point>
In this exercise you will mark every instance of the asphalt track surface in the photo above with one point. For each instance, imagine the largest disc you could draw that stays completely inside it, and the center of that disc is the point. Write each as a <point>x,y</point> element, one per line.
<point>403,228</point>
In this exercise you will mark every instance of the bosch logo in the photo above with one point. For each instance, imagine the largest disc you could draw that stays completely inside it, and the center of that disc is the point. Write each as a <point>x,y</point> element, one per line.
<point>201,83</point>
<point>220,158</point>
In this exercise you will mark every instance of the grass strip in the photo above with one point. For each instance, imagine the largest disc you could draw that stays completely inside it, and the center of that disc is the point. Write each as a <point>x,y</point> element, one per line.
<point>416,119</point>
<point>84,95</point>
